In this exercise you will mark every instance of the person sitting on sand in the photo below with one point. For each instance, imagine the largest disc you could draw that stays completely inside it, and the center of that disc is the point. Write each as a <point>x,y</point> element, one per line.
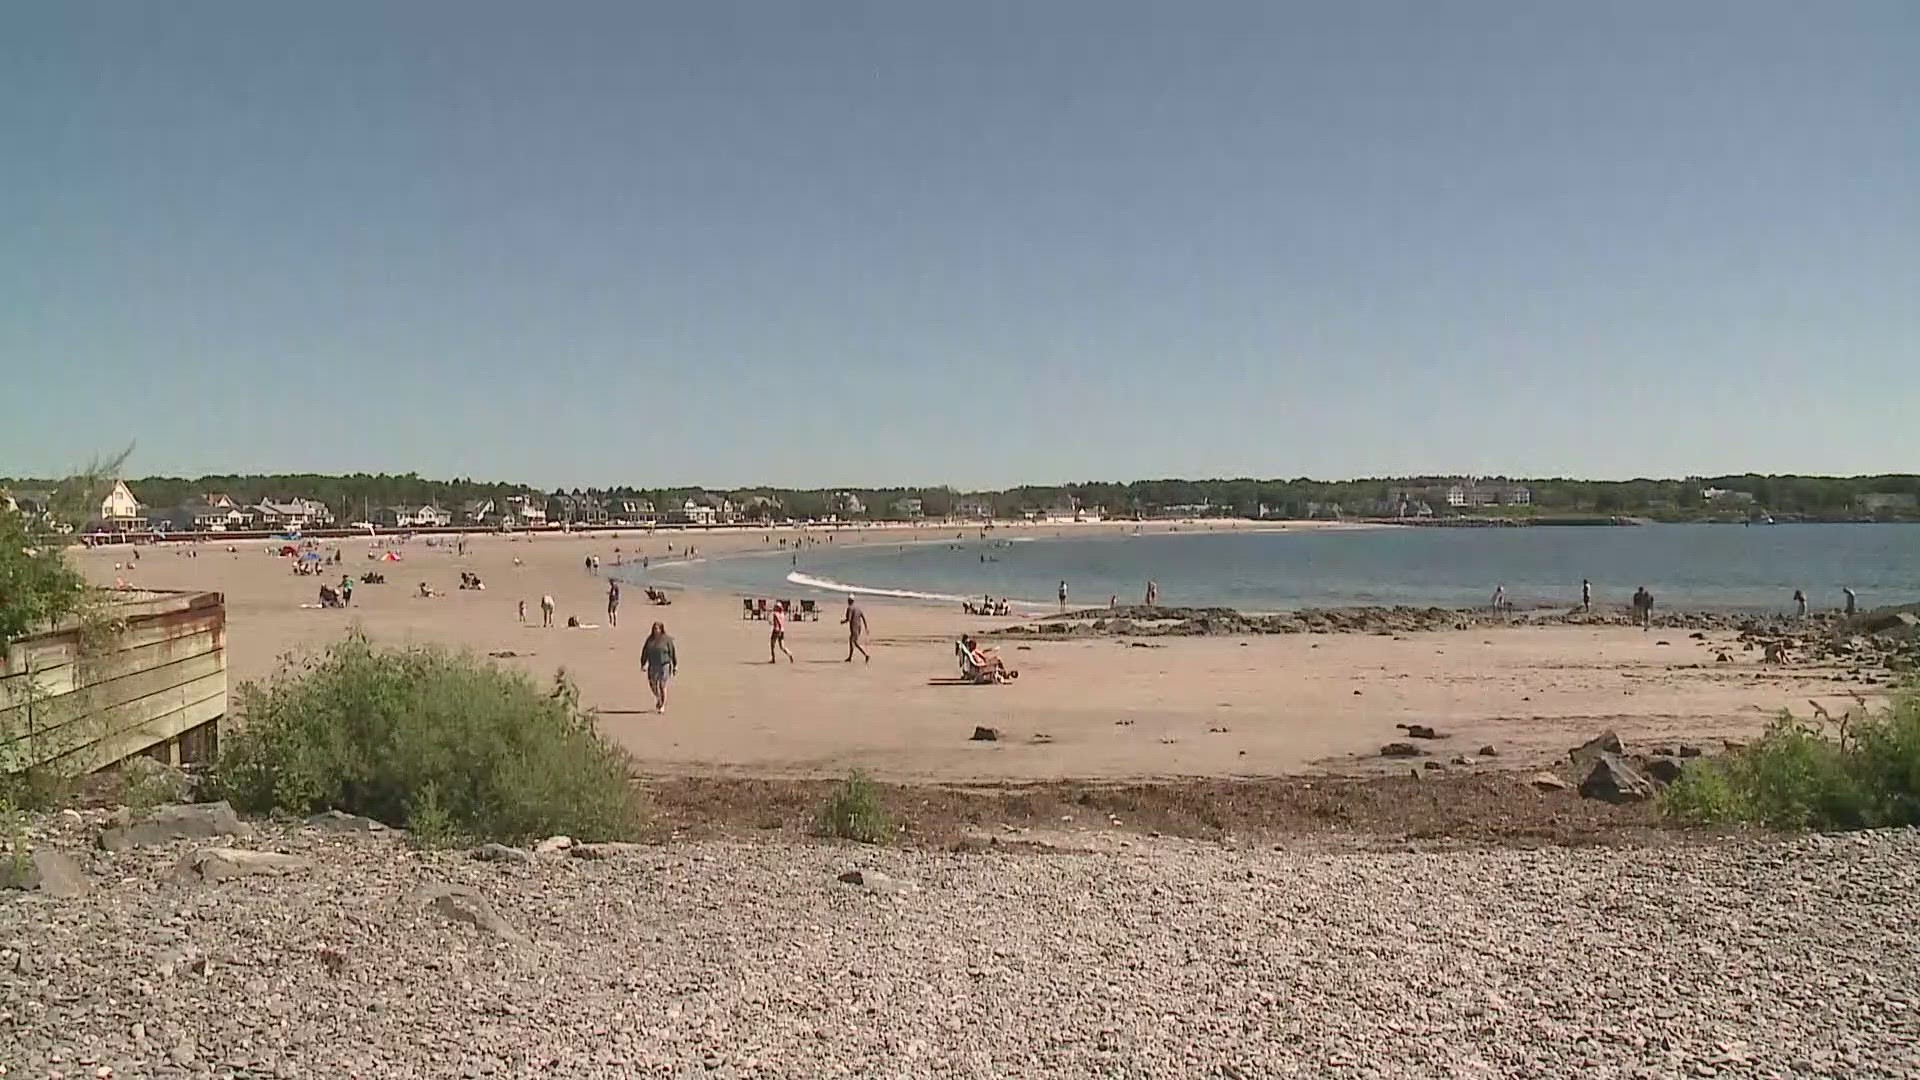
<point>425,592</point>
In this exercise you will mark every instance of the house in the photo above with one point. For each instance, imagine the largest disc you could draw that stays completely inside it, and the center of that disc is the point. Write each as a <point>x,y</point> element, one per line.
<point>761,508</point>
<point>632,511</point>
<point>845,504</point>
<point>723,509</point>
<point>120,511</point>
<point>212,512</point>
<point>908,508</point>
<point>1726,497</point>
<point>414,517</point>
<point>524,512</point>
<point>692,512</point>
<point>583,510</point>
<point>30,503</point>
<point>476,511</point>
<point>973,510</point>
<point>295,513</point>
<point>1488,492</point>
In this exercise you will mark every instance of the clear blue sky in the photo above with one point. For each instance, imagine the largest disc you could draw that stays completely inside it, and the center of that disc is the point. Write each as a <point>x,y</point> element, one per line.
<point>978,243</point>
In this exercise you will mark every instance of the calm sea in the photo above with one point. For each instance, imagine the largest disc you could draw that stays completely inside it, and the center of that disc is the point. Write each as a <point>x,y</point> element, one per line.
<point>1728,567</point>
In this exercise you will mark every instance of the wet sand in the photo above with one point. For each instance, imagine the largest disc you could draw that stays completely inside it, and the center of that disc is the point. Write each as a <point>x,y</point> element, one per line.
<point>1103,709</point>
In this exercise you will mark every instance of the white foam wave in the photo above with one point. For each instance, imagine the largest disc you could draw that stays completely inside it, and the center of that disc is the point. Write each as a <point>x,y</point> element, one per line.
<point>830,585</point>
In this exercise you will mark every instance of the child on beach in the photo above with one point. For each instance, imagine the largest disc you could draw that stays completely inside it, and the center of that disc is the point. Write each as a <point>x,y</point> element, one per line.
<point>523,613</point>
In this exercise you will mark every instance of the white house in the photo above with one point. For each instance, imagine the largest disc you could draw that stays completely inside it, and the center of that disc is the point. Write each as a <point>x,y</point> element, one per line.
<point>632,511</point>
<point>847,505</point>
<point>692,512</point>
<point>525,512</point>
<point>476,511</point>
<point>294,513</point>
<point>415,517</point>
<point>120,511</point>
<point>973,510</point>
<point>908,508</point>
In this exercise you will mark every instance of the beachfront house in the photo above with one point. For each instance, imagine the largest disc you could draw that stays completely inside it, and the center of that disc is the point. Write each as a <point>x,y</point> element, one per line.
<point>212,512</point>
<point>292,514</point>
<point>1726,497</point>
<point>524,512</point>
<point>576,510</point>
<point>120,511</point>
<point>428,516</point>
<point>761,508</point>
<point>973,510</point>
<point>476,512</point>
<point>1488,492</point>
<point>632,512</point>
<point>33,504</point>
<point>909,508</point>
<point>692,512</point>
<point>845,504</point>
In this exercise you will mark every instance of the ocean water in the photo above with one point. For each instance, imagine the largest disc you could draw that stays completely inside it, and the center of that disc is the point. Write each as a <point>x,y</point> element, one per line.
<point>1717,567</point>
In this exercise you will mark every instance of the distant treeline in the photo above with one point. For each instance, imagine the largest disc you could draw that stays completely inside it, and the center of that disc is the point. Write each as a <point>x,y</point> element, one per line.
<point>1884,497</point>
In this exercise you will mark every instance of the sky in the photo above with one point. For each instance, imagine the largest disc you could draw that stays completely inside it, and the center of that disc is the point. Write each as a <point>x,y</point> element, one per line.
<point>980,244</point>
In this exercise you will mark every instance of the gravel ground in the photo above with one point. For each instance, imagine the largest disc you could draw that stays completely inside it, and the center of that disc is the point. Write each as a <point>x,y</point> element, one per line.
<point>1729,957</point>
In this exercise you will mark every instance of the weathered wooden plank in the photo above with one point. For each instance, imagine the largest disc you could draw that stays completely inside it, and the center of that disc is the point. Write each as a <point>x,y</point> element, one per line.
<point>56,646</point>
<point>101,727</point>
<point>101,698</point>
<point>48,652</point>
<point>68,677</point>
<point>124,744</point>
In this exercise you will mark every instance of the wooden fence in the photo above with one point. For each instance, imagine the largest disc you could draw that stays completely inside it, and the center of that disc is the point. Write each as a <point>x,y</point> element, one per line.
<point>157,685</point>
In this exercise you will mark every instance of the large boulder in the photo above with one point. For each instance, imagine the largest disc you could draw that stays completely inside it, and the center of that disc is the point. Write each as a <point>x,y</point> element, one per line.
<point>1664,769</point>
<point>339,821</point>
<point>193,821</point>
<point>1610,779</point>
<point>45,870</point>
<point>210,865</point>
<point>1400,749</point>
<point>1587,752</point>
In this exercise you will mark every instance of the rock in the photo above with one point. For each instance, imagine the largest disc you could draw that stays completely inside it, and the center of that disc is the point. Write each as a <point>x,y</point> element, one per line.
<point>1610,779</point>
<point>1664,769</point>
<point>1400,749</point>
<point>1419,731</point>
<point>1546,781</point>
<point>1433,766</point>
<point>46,870</point>
<point>184,1054</point>
<point>1488,751</point>
<point>340,821</point>
<point>193,821</point>
<point>1604,743</point>
<point>1689,751</point>
<point>464,905</point>
<point>553,845</point>
<point>502,853</point>
<point>219,864</point>
<point>985,734</point>
<point>873,881</point>
<point>1460,759</point>
<point>150,781</point>
<point>600,852</point>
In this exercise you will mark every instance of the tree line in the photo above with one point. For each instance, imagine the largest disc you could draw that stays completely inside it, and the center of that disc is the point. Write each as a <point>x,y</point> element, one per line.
<point>349,496</point>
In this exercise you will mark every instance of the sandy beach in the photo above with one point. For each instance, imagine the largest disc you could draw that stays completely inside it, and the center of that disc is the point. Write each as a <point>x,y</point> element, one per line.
<point>1101,709</point>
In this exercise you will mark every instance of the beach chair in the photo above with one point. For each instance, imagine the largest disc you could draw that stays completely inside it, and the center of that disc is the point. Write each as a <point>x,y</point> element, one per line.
<point>809,610</point>
<point>746,607</point>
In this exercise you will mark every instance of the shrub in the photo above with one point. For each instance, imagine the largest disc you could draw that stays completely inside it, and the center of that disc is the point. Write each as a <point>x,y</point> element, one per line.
<point>426,737</point>
<point>853,812</point>
<point>1859,772</point>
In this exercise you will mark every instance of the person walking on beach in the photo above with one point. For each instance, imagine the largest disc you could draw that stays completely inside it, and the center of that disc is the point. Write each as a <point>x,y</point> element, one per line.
<point>1850,600</point>
<point>777,643</point>
<point>855,621</point>
<point>1799,604</point>
<point>1643,608</point>
<point>1499,598</point>
<point>546,610</point>
<point>1153,593</point>
<point>523,613</point>
<point>658,657</point>
<point>1586,595</point>
<point>1063,594</point>
<point>613,602</point>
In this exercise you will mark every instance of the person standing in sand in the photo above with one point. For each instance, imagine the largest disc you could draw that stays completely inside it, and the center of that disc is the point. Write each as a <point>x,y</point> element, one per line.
<point>1586,595</point>
<point>1153,593</point>
<point>777,643</point>
<point>613,602</point>
<point>855,621</point>
<point>546,610</point>
<point>1499,598</point>
<point>523,613</point>
<point>1063,594</point>
<point>1851,600</point>
<point>1643,608</point>
<point>1799,604</point>
<point>660,660</point>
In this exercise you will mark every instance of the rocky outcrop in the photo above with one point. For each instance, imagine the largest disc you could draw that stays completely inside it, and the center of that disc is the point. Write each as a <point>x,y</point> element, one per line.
<point>44,870</point>
<point>193,821</point>
<point>1611,779</point>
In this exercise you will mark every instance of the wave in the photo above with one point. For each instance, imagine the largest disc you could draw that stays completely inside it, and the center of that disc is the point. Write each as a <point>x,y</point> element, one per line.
<point>830,585</point>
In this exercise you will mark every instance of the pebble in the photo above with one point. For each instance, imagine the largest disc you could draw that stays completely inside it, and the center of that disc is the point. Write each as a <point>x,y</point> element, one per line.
<point>1736,956</point>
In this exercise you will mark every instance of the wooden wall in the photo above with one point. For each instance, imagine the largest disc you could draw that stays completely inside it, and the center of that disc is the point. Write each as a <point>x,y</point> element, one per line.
<point>161,677</point>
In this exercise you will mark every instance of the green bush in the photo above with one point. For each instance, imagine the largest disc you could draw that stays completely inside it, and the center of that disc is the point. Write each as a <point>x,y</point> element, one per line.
<point>1859,772</point>
<point>853,812</point>
<point>426,734</point>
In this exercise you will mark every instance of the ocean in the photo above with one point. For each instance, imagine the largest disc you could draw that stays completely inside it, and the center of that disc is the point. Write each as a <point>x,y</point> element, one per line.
<point>1706,567</point>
